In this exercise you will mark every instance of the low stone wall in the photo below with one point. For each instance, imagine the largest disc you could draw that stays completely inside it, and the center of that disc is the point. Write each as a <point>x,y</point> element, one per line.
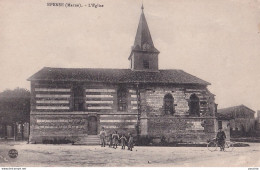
<point>69,127</point>
<point>181,130</point>
<point>57,127</point>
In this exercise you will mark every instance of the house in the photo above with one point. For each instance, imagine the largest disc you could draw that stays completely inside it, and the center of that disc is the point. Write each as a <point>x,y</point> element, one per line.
<point>224,124</point>
<point>243,120</point>
<point>75,103</point>
<point>258,122</point>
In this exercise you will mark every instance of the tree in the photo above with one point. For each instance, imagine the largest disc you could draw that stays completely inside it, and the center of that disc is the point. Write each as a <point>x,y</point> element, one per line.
<point>15,106</point>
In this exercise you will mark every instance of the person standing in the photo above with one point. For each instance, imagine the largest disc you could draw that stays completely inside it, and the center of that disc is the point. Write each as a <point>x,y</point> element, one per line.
<point>103,135</point>
<point>130,142</point>
<point>123,141</point>
<point>115,137</point>
<point>221,137</point>
<point>110,140</point>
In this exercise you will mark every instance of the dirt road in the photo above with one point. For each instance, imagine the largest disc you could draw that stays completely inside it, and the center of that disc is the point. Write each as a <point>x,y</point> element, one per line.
<point>72,155</point>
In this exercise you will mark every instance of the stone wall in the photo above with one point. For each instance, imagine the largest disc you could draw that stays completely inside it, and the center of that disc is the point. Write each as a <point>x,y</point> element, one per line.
<point>152,100</point>
<point>100,100</point>
<point>50,126</point>
<point>74,125</point>
<point>181,126</point>
<point>187,130</point>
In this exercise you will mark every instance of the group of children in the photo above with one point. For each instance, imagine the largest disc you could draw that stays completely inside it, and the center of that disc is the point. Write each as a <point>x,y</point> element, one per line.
<point>113,140</point>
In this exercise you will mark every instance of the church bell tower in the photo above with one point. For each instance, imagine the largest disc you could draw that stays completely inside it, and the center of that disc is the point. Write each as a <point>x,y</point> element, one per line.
<point>144,56</point>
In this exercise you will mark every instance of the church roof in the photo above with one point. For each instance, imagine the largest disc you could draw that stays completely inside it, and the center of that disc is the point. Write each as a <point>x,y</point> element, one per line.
<point>143,38</point>
<point>229,110</point>
<point>116,76</point>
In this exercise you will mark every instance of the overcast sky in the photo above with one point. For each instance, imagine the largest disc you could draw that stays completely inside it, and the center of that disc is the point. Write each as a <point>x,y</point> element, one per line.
<point>217,40</point>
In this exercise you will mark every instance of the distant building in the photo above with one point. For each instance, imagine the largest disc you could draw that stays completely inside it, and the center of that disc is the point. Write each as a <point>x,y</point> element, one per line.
<point>75,103</point>
<point>258,120</point>
<point>223,122</point>
<point>242,119</point>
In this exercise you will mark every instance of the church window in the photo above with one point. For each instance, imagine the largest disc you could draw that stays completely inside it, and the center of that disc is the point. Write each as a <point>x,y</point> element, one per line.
<point>146,64</point>
<point>168,104</point>
<point>78,98</point>
<point>194,105</point>
<point>122,99</point>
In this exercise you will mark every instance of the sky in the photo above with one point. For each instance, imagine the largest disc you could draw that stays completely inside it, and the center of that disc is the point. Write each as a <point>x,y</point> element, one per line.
<point>217,40</point>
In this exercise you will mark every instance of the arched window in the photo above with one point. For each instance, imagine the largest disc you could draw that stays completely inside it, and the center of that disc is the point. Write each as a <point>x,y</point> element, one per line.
<point>194,105</point>
<point>168,104</point>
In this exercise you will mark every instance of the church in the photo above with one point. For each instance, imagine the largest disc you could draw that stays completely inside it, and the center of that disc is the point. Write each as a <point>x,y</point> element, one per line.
<point>73,104</point>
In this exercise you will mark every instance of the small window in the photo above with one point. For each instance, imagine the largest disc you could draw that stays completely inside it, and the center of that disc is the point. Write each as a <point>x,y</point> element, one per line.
<point>122,99</point>
<point>146,64</point>
<point>168,104</point>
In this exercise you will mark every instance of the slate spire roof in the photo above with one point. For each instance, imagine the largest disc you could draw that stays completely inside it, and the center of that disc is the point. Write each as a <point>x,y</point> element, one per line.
<point>143,39</point>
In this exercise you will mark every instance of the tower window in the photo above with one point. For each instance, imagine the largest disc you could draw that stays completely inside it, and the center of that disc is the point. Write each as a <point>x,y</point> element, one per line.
<point>146,64</point>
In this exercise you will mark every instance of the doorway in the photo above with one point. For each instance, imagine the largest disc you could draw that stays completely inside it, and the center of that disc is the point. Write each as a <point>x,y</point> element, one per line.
<point>92,125</point>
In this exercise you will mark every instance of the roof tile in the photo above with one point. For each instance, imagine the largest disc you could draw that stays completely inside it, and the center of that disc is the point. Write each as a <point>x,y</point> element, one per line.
<point>116,76</point>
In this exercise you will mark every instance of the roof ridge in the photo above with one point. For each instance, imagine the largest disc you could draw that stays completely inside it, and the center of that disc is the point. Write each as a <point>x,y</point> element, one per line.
<point>236,106</point>
<point>86,68</point>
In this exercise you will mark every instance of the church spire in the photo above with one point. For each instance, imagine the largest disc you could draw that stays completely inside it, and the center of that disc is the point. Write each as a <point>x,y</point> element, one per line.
<point>144,56</point>
<point>143,39</point>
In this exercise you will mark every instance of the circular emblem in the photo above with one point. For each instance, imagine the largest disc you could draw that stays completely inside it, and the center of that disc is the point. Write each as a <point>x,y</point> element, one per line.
<point>13,153</point>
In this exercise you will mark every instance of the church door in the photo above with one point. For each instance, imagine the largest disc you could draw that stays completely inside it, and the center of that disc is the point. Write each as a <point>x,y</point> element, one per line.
<point>92,125</point>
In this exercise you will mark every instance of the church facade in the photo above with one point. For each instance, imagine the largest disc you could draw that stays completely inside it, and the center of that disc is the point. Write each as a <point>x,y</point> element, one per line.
<point>74,104</point>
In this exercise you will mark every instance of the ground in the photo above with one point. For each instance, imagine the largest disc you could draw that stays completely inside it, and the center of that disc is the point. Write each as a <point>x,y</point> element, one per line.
<point>76,155</point>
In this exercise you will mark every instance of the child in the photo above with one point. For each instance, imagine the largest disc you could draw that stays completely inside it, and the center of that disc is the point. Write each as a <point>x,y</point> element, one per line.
<point>130,142</point>
<point>103,135</point>
<point>123,141</point>
<point>110,140</point>
<point>115,137</point>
